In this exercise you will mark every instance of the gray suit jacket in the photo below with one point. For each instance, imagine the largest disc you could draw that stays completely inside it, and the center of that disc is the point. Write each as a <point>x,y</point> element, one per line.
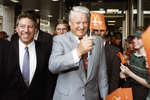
<point>72,84</point>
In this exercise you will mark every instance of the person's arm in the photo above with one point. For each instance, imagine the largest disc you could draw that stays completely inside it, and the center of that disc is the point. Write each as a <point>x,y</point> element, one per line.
<point>61,58</point>
<point>115,76</point>
<point>139,79</point>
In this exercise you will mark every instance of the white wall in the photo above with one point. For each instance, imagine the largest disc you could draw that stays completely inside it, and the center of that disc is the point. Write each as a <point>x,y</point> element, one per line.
<point>8,17</point>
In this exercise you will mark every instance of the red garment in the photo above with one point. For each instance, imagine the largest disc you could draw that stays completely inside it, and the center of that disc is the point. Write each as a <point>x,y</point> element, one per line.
<point>85,61</point>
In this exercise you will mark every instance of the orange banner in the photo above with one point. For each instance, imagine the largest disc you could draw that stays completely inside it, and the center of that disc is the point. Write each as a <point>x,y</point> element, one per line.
<point>97,21</point>
<point>146,42</point>
<point>123,60</point>
<point>121,94</point>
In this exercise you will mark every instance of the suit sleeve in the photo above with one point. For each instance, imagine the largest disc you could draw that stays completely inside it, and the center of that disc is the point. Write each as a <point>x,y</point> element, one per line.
<point>60,60</point>
<point>103,81</point>
<point>115,75</point>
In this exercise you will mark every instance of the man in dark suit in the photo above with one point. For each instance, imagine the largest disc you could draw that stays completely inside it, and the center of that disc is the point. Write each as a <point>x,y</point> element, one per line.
<point>39,36</point>
<point>112,61</point>
<point>27,73</point>
<point>3,61</point>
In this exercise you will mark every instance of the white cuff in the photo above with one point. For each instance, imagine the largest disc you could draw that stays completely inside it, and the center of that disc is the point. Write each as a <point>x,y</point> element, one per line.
<point>76,59</point>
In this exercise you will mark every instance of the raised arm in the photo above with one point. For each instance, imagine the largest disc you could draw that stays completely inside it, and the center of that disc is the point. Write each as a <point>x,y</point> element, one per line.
<point>139,79</point>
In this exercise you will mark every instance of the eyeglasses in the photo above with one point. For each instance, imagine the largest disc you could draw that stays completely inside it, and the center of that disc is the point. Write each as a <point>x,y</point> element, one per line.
<point>61,29</point>
<point>26,26</point>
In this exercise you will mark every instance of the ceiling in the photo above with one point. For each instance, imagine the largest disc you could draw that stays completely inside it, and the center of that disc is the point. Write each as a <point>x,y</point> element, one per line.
<point>50,7</point>
<point>59,9</point>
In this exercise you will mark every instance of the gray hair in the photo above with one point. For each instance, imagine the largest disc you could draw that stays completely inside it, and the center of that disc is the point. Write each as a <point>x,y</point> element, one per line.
<point>79,9</point>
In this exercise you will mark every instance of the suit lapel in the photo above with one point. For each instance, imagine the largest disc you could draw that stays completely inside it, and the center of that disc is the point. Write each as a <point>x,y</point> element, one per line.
<point>16,48</point>
<point>90,61</point>
<point>82,71</point>
<point>37,62</point>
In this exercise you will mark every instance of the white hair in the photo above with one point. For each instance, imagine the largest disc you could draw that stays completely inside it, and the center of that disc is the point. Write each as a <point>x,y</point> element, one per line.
<point>78,9</point>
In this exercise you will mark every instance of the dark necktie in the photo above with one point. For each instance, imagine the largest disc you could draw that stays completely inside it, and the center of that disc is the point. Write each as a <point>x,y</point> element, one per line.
<point>26,67</point>
<point>85,61</point>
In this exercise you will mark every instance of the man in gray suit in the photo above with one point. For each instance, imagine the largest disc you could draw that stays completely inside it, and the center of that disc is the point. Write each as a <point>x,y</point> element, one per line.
<point>73,82</point>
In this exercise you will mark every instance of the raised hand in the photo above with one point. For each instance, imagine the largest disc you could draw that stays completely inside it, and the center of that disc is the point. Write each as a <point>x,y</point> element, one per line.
<point>85,45</point>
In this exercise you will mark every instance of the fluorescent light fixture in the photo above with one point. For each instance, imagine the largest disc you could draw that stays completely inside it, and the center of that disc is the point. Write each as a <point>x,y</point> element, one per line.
<point>14,1</point>
<point>134,11</point>
<point>111,24</point>
<point>101,12</point>
<point>37,10</point>
<point>111,21</point>
<point>112,10</point>
<point>146,12</point>
<point>55,0</point>
<point>49,16</point>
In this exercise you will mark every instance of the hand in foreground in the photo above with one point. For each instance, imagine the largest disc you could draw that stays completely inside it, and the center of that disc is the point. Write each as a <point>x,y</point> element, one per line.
<point>125,70</point>
<point>122,75</point>
<point>85,45</point>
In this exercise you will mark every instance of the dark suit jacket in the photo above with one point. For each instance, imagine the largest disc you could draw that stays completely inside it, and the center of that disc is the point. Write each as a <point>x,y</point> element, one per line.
<point>3,61</point>
<point>113,66</point>
<point>16,88</point>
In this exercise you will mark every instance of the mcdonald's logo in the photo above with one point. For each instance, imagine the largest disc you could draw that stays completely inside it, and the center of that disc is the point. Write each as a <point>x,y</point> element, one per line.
<point>116,98</point>
<point>97,21</point>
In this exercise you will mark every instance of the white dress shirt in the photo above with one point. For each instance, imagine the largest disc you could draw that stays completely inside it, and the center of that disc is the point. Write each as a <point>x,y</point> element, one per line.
<point>32,55</point>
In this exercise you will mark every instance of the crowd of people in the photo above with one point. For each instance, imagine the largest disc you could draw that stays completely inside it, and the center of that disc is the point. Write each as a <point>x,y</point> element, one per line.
<point>70,65</point>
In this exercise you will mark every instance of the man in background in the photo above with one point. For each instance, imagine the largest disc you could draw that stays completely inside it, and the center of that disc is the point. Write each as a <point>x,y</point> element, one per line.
<point>3,35</point>
<point>112,61</point>
<point>61,27</point>
<point>4,47</point>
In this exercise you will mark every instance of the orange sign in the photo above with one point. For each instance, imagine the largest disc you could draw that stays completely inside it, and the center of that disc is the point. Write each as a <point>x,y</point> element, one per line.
<point>146,41</point>
<point>123,60</point>
<point>97,21</point>
<point>120,94</point>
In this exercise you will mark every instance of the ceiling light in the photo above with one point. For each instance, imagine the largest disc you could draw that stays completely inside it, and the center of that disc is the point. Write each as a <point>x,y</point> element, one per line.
<point>111,21</point>
<point>111,24</point>
<point>110,11</point>
<point>15,1</point>
<point>146,12</point>
<point>37,10</point>
<point>49,16</point>
<point>101,12</point>
<point>55,0</point>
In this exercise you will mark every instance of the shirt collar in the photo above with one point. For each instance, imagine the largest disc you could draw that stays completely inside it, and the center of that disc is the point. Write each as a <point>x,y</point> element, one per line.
<point>24,45</point>
<point>77,38</point>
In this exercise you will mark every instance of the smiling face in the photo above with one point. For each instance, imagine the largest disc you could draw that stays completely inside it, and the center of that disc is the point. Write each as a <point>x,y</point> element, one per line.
<point>26,30</point>
<point>61,28</point>
<point>79,24</point>
<point>138,43</point>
